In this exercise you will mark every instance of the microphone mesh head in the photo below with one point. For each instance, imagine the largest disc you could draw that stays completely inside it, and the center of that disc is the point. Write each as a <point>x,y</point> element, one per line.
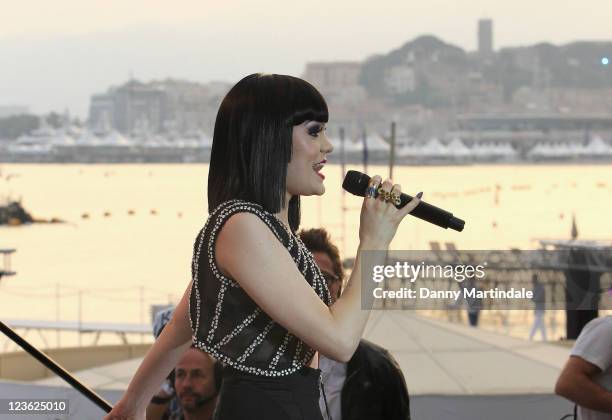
<point>356,183</point>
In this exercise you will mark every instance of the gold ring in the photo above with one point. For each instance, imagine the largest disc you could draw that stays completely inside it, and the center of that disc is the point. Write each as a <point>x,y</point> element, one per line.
<point>383,194</point>
<point>395,198</point>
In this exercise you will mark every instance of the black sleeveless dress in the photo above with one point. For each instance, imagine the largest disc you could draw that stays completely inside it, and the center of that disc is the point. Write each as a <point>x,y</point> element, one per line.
<point>266,374</point>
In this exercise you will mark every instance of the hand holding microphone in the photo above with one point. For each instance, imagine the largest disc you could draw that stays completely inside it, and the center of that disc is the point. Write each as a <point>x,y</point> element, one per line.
<point>357,183</point>
<point>379,217</point>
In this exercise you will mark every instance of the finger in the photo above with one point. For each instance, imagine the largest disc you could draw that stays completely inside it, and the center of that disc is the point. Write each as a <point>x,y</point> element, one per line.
<point>384,189</point>
<point>371,191</point>
<point>387,184</point>
<point>396,192</point>
<point>412,204</point>
<point>376,179</point>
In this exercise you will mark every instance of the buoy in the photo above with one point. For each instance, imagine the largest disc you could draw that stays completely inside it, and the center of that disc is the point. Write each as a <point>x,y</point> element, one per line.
<point>85,216</point>
<point>107,214</point>
<point>153,212</point>
<point>131,212</point>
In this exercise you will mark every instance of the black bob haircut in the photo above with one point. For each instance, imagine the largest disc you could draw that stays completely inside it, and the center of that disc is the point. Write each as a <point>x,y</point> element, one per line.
<point>252,140</point>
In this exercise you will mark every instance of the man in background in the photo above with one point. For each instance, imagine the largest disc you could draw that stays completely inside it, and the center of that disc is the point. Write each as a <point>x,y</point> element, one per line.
<point>190,391</point>
<point>371,385</point>
<point>195,385</point>
<point>539,300</point>
<point>586,378</point>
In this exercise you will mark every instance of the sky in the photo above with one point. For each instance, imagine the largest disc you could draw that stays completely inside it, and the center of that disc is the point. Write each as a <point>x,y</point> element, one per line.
<point>54,54</point>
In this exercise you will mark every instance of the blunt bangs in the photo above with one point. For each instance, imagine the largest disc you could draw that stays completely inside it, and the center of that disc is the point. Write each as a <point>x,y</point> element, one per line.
<point>308,105</point>
<point>252,140</point>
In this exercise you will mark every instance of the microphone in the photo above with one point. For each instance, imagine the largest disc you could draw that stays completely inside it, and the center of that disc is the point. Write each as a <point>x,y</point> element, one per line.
<point>357,182</point>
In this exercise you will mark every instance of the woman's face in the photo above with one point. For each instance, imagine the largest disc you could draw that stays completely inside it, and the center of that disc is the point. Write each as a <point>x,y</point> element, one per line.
<point>310,149</point>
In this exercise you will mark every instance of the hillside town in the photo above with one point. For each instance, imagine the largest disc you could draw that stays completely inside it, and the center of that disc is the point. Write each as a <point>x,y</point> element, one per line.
<point>533,103</point>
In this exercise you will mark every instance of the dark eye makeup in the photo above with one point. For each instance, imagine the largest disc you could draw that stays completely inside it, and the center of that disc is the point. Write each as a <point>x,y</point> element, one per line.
<point>315,129</point>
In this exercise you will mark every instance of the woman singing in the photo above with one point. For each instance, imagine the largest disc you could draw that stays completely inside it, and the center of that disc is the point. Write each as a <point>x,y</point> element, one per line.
<point>257,301</point>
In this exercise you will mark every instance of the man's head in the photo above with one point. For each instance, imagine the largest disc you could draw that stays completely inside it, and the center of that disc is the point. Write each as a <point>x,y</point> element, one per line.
<point>194,379</point>
<point>327,257</point>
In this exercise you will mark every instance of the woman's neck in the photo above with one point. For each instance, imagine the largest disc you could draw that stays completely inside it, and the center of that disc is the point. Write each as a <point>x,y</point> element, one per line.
<point>283,214</point>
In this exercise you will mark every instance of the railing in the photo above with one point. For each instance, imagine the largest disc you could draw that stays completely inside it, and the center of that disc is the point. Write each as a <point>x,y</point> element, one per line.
<point>5,270</point>
<point>56,368</point>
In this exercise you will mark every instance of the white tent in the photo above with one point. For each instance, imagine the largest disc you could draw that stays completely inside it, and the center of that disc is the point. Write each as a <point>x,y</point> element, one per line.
<point>504,149</point>
<point>482,150</point>
<point>494,150</point>
<point>376,143</point>
<point>457,148</point>
<point>87,138</point>
<point>63,139</point>
<point>562,150</point>
<point>575,149</point>
<point>349,146</point>
<point>114,138</point>
<point>597,147</point>
<point>434,148</point>
<point>157,142</point>
<point>557,150</point>
<point>43,136</point>
<point>408,150</point>
<point>542,150</point>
